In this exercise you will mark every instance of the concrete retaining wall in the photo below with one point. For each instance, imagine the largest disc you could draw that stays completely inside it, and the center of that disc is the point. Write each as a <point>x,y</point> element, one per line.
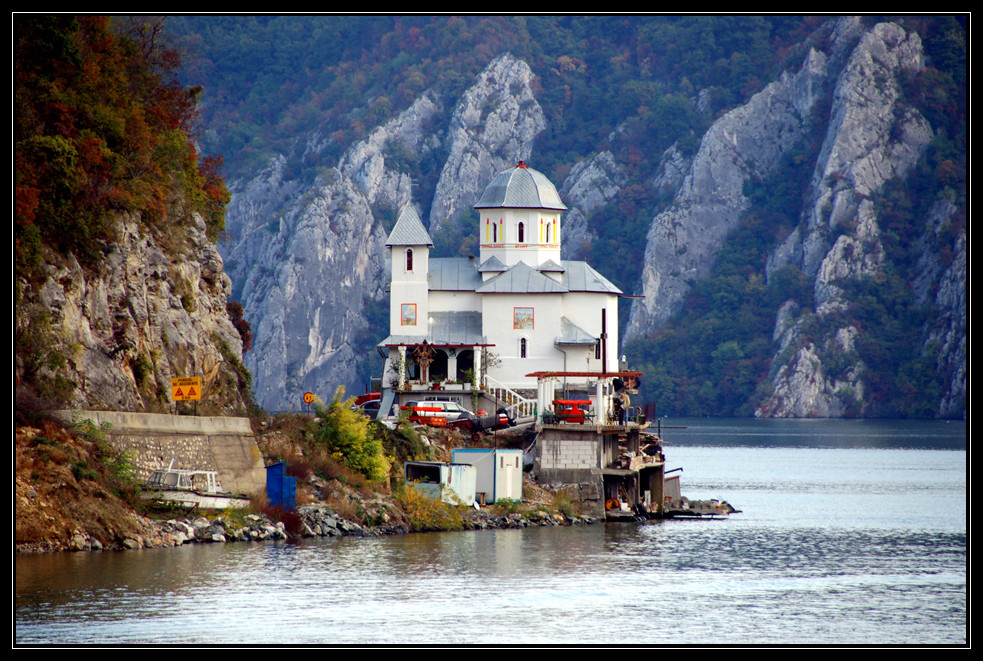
<point>226,445</point>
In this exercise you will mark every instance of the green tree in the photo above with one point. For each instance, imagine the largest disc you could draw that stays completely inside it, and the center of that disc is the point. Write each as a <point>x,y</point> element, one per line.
<point>348,436</point>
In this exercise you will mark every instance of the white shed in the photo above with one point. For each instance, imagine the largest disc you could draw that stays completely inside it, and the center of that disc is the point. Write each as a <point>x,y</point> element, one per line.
<point>499,472</point>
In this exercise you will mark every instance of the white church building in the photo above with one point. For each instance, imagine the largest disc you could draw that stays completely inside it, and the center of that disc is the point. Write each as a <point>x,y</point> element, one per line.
<point>516,309</point>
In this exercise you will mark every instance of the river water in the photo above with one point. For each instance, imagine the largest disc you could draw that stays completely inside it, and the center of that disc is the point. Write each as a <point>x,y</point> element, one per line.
<point>851,533</point>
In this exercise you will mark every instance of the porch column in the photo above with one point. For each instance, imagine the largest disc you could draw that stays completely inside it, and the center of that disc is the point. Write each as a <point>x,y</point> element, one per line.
<point>601,415</point>
<point>452,363</point>
<point>402,372</point>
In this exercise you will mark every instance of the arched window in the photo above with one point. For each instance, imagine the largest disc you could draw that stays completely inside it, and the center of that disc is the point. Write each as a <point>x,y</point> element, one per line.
<point>409,259</point>
<point>522,348</point>
<point>522,233</point>
<point>494,233</point>
<point>547,232</point>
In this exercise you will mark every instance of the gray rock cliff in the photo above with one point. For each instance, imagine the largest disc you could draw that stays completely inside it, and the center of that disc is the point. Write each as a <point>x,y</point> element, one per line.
<point>306,258</point>
<point>745,143</point>
<point>492,128</point>
<point>155,309</point>
<point>871,136</point>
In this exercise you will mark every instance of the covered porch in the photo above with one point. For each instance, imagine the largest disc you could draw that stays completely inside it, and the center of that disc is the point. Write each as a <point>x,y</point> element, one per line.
<point>607,401</point>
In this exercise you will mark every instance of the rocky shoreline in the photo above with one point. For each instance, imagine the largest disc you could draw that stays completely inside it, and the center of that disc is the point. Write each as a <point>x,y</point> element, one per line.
<point>314,520</point>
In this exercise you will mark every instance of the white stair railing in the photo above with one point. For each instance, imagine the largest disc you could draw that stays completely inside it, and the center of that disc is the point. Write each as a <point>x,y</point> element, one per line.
<point>515,404</point>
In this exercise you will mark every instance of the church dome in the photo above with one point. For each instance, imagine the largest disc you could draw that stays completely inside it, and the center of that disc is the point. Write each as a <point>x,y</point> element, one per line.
<point>521,188</point>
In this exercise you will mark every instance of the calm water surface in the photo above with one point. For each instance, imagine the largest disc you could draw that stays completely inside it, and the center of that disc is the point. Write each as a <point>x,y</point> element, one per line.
<point>850,533</point>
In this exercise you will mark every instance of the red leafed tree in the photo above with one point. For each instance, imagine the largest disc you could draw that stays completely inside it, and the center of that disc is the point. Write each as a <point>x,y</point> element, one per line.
<point>101,125</point>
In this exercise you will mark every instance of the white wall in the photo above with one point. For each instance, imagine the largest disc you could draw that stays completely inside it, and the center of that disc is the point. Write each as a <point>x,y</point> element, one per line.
<point>409,287</point>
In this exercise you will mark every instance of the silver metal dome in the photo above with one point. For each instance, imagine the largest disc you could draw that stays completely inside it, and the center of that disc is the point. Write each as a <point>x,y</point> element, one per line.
<point>521,188</point>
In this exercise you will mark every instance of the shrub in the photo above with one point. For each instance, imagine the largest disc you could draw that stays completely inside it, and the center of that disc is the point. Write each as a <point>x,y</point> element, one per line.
<point>348,436</point>
<point>426,513</point>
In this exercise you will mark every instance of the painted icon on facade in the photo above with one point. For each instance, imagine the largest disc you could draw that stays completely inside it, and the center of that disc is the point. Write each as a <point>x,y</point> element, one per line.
<point>408,314</point>
<point>522,319</point>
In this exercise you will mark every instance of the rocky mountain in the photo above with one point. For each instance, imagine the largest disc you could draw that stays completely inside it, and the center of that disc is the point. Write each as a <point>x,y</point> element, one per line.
<point>872,135</point>
<point>309,259</point>
<point>112,338</point>
<point>306,254</point>
<point>118,284</point>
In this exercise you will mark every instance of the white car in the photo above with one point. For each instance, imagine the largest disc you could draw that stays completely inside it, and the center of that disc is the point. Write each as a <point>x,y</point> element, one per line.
<point>452,412</point>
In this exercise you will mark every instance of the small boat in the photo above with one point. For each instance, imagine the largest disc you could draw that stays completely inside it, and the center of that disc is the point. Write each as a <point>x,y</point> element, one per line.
<point>191,486</point>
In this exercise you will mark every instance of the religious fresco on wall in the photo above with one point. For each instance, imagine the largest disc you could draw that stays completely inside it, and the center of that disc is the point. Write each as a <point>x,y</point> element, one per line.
<point>407,315</point>
<point>522,318</point>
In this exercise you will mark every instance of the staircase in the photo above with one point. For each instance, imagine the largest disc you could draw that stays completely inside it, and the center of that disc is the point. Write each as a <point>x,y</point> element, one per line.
<point>515,404</point>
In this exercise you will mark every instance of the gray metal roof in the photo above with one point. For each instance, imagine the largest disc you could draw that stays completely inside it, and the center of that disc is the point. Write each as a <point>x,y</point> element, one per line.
<point>456,328</point>
<point>453,274</point>
<point>521,188</point>
<point>571,333</point>
<point>407,340</point>
<point>492,264</point>
<point>447,328</point>
<point>521,279</point>
<point>549,266</point>
<point>580,276</point>
<point>409,230</point>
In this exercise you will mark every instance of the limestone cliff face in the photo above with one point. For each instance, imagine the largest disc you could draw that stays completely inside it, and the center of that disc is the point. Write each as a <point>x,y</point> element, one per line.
<point>941,283</point>
<point>591,184</point>
<point>746,143</point>
<point>307,258</point>
<point>492,128</point>
<point>871,137</point>
<point>155,309</point>
<point>304,268</point>
<point>411,134</point>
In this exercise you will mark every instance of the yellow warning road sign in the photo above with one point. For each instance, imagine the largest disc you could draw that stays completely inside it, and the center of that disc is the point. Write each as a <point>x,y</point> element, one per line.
<point>185,388</point>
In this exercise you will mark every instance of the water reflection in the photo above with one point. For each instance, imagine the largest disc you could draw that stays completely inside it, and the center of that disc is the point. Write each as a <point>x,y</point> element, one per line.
<point>834,545</point>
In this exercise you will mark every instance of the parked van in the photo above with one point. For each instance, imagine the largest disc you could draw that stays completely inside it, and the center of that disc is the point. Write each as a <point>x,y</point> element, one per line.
<point>432,412</point>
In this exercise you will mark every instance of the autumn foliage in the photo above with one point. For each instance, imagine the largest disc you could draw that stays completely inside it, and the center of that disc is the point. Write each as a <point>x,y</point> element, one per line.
<point>101,126</point>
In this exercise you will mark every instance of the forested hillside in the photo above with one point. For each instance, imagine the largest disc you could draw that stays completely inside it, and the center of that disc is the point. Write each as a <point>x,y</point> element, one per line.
<point>118,283</point>
<point>298,104</point>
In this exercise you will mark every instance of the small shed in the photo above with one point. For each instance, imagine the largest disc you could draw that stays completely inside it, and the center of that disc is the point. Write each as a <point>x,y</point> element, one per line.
<point>452,483</point>
<point>499,474</point>
<point>281,490</point>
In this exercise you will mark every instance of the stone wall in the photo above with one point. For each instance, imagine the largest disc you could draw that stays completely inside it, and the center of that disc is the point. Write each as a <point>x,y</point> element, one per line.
<point>222,444</point>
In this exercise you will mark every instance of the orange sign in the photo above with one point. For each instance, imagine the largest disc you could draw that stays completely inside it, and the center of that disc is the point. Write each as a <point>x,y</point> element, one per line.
<point>308,397</point>
<point>185,388</point>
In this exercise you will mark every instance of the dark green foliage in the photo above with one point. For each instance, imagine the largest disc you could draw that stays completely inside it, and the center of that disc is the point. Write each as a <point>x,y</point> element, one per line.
<point>713,358</point>
<point>273,77</point>
<point>243,327</point>
<point>348,437</point>
<point>902,381</point>
<point>100,127</point>
<point>404,443</point>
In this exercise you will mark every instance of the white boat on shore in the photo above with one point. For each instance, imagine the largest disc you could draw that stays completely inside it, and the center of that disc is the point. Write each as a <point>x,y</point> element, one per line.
<point>191,487</point>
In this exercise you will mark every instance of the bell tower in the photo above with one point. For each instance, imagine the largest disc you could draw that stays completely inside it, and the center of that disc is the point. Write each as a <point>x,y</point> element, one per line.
<point>409,253</point>
<point>519,215</point>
